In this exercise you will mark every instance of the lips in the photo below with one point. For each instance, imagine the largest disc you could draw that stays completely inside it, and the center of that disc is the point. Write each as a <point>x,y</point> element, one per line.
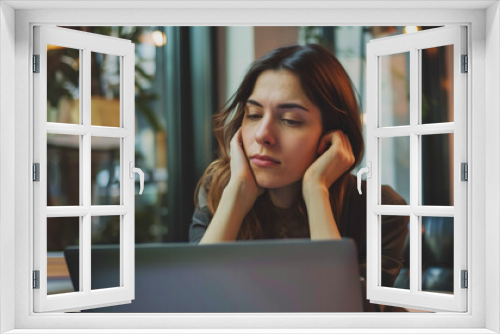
<point>264,160</point>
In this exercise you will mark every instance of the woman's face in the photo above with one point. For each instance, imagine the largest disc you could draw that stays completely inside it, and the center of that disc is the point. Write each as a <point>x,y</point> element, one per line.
<point>281,124</point>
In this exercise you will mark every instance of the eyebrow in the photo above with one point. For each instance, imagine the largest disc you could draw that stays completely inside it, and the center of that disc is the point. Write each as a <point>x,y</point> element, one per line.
<point>280,106</point>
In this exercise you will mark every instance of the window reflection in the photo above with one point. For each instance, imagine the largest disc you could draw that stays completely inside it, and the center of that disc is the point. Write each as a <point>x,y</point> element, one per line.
<point>437,254</point>
<point>437,84</point>
<point>395,165</point>
<point>63,170</point>
<point>105,266</point>
<point>437,170</point>
<point>62,233</point>
<point>63,84</point>
<point>105,171</point>
<point>105,89</point>
<point>395,89</point>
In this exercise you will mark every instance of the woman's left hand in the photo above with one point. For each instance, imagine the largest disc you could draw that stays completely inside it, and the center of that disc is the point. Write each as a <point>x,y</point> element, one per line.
<point>332,162</point>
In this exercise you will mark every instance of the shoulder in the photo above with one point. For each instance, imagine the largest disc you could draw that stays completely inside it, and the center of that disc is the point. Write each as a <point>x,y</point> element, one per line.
<point>391,197</point>
<point>203,189</point>
<point>200,221</point>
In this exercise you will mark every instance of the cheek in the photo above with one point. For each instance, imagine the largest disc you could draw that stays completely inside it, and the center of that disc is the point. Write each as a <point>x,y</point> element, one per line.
<point>246,136</point>
<point>310,152</point>
<point>303,151</point>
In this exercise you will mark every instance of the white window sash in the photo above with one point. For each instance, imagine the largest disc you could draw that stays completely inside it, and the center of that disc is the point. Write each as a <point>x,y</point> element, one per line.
<point>414,297</point>
<point>85,42</point>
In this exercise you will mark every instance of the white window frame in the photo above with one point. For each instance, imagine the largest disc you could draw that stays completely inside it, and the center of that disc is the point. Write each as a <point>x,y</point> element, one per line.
<point>483,21</point>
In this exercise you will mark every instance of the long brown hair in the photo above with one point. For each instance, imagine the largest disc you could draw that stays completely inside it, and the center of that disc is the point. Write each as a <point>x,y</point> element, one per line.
<point>327,85</point>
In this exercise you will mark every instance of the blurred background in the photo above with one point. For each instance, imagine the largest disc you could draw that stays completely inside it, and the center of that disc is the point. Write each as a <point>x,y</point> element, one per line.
<point>183,75</point>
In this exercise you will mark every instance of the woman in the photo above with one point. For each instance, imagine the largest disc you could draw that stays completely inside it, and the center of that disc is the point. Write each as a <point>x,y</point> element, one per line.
<point>287,144</point>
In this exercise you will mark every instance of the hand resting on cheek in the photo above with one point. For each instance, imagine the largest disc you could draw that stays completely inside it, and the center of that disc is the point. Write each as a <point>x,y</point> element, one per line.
<point>241,173</point>
<point>335,158</point>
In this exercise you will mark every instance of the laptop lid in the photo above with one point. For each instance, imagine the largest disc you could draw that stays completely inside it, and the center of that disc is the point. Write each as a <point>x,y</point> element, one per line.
<point>285,275</point>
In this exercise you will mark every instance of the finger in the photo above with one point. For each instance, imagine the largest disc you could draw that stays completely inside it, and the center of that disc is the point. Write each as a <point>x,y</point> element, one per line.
<point>340,139</point>
<point>325,141</point>
<point>348,148</point>
<point>337,139</point>
<point>237,139</point>
<point>347,143</point>
<point>236,147</point>
<point>234,138</point>
<point>237,136</point>
<point>345,140</point>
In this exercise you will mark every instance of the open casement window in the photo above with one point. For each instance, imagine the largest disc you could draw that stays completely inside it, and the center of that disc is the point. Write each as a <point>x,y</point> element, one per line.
<point>417,144</point>
<point>84,130</point>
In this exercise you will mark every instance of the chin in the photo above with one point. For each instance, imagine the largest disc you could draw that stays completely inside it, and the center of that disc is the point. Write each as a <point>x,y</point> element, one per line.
<point>273,183</point>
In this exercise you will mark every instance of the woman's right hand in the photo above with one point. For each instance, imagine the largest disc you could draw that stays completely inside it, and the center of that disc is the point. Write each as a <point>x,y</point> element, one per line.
<point>242,176</point>
<point>237,199</point>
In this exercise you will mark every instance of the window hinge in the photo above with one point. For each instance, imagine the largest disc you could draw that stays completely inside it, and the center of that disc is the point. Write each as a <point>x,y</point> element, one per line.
<point>36,172</point>
<point>36,279</point>
<point>465,279</point>
<point>36,63</point>
<point>465,64</point>
<point>465,171</point>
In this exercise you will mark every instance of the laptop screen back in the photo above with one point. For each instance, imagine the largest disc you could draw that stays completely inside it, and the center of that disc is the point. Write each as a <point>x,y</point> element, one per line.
<point>255,276</point>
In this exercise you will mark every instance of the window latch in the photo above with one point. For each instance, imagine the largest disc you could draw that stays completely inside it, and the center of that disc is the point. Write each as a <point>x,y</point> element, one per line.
<point>132,171</point>
<point>368,171</point>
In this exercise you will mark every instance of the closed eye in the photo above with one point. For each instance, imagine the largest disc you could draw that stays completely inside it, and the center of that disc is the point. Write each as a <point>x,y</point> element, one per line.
<point>253,116</point>
<point>292,122</point>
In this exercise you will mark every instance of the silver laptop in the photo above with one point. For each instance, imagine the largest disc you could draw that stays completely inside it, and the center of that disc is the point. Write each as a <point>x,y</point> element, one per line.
<point>291,275</point>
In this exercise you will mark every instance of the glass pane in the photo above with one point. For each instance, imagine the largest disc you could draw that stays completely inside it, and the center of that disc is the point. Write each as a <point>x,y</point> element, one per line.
<point>395,89</point>
<point>105,171</point>
<point>105,89</point>
<point>63,170</point>
<point>395,245</point>
<point>63,84</point>
<point>437,170</point>
<point>437,84</point>
<point>105,252</point>
<point>437,254</point>
<point>63,252</point>
<point>395,165</point>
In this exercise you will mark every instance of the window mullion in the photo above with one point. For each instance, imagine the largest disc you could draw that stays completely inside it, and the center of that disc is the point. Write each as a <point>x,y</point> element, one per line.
<point>108,210</point>
<point>406,210</point>
<point>66,129</point>
<point>85,246</point>
<point>127,237</point>
<point>415,241</point>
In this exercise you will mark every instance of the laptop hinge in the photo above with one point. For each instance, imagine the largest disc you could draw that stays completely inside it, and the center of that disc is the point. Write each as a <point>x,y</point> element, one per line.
<point>465,279</point>
<point>36,279</point>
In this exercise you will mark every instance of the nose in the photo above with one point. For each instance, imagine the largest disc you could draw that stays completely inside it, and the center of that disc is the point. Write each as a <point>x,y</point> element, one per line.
<point>265,133</point>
